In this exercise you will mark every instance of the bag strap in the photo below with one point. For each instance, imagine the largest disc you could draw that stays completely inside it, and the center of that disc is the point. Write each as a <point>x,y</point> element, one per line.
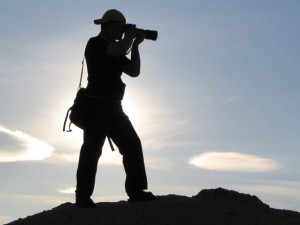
<point>81,74</point>
<point>66,118</point>
<point>110,143</point>
<point>68,112</point>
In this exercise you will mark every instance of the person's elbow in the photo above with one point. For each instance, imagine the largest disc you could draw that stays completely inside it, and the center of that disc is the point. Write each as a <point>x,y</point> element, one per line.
<point>133,72</point>
<point>136,74</point>
<point>116,51</point>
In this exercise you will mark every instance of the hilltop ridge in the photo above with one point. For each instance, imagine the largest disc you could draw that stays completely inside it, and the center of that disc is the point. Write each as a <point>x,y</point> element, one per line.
<point>210,206</point>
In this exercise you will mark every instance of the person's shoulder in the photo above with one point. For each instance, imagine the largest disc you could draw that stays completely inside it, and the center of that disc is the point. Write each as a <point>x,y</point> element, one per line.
<point>98,38</point>
<point>94,39</point>
<point>96,44</point>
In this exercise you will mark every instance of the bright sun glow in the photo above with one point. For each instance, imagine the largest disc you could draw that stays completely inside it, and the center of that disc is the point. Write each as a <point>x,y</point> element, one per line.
<point>131,109</point>
<point>74,139</point>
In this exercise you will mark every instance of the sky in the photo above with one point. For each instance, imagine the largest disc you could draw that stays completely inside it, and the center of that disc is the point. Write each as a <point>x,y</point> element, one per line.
<point>216,104</point>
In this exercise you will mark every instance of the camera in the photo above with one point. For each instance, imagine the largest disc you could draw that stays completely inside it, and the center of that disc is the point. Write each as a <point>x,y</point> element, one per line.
<point>149,34</point>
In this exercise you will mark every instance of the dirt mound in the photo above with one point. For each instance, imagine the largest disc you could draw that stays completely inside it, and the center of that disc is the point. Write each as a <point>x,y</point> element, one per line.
<point>214,206</point>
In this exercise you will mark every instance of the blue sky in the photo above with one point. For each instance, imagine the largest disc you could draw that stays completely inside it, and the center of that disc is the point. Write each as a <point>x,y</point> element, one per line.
<point>216,105</point>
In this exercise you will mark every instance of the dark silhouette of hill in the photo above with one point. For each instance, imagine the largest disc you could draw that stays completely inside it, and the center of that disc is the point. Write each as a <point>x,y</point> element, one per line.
<point>208,207</point>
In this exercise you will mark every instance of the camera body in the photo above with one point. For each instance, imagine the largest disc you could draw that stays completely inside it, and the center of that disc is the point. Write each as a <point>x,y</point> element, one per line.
<point>149,34</point>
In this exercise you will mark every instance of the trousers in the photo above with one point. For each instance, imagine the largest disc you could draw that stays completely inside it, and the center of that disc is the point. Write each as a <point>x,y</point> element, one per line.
<point>110,120</point>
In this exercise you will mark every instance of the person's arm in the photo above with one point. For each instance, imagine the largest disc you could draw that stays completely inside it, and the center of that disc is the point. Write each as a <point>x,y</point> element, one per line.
<point>133,68</point>
<point>123,46</point>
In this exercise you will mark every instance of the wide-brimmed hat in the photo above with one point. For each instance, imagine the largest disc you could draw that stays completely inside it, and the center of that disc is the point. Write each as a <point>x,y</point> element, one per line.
<point>111,15</point>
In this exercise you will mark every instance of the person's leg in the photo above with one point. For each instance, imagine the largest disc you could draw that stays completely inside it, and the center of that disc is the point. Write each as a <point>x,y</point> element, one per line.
<point>87,167</point>
<point>125,137</point>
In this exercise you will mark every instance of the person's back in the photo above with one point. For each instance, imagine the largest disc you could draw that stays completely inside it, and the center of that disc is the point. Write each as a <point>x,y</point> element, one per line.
<point>104,70</point>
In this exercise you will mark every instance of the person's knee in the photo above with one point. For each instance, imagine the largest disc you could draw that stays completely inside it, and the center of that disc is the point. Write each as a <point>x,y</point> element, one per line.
<point>132,147</point>
<point>91,149</point>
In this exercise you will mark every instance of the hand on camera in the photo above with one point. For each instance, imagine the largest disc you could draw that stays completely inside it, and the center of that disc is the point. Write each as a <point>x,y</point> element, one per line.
<point>139,38</point>
<point>132,31</point>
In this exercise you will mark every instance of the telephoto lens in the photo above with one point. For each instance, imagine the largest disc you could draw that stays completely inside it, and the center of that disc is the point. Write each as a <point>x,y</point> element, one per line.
<point>149,34</point>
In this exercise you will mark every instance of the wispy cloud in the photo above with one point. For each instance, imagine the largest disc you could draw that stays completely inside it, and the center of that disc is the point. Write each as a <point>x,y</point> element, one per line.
<point>278,187</point>
<point>231,99</point>
<point>233,162</point>
<point>158,163</point>
<point>18,146</point>
<point>29,199</point>
<point>70,190</point>
<point>108,157</point>
<point>4,219</point>
<point>277,193</point>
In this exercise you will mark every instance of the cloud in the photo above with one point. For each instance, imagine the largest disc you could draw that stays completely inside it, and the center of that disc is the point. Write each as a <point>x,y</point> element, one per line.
<point>158,163</point>
<point>108,158</point>
<point>18,146</point>
<point>278,187</point>
<point>31,199</point>
<point>231,99</point>
<point>63,158</point>
<point>5,219</point>
<point>70,190</point>
<point>233,162</point>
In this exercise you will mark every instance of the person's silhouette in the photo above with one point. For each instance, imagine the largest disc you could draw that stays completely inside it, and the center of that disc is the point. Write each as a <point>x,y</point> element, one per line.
<point>106,61</point>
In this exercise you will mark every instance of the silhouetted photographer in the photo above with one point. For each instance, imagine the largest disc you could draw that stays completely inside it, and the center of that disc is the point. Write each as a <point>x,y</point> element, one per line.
<point>106,61</point>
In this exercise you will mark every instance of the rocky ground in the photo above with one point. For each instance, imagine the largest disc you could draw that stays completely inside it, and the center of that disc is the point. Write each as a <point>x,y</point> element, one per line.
<point>209,207</point>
